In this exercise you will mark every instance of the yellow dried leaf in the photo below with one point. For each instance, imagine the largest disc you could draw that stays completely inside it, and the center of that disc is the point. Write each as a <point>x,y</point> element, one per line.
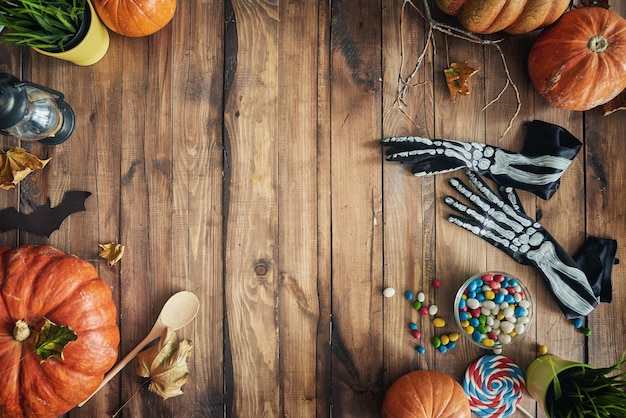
<point>111,252</point>
<point>16,164</point>
<point>457,76</point>
<point>166,365</point>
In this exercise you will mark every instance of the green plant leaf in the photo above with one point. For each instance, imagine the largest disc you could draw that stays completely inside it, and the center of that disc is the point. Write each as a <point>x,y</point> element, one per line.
<point>52,339</point>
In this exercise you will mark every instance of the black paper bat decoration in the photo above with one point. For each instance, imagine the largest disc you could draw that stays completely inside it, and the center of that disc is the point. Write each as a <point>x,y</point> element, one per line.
<point>44,220</point>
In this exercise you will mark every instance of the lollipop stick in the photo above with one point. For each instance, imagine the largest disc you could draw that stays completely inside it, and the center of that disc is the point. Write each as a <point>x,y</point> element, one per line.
<point>525,412</point>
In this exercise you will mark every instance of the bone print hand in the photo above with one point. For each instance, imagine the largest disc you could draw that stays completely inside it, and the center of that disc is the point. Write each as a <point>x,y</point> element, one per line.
<point>501,221</point>
<point>548,151</point>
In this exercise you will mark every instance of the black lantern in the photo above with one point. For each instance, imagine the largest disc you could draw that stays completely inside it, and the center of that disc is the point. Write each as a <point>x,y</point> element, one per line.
<point>33,113</point>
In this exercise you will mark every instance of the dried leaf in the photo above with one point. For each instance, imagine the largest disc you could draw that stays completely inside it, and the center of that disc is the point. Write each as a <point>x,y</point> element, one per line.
<point>16,164</point>
<point>166,364</point>
<point>111,252</point>
<point>52,339</point>
<point>615,104</point>
<point>457,76</point>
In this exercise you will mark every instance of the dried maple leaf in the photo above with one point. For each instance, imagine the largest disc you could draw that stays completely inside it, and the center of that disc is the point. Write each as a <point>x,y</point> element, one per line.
<point>16,164</point>
<point>166,365</point>
<point>111,252</point>
<point>457,76</point>
<point>615,104</point>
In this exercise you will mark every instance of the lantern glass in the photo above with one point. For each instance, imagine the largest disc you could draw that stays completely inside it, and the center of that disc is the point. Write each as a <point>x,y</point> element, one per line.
<point>42,118</point>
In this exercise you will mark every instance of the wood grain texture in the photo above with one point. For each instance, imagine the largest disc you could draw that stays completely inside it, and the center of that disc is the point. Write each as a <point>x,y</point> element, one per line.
<point>236,153</point>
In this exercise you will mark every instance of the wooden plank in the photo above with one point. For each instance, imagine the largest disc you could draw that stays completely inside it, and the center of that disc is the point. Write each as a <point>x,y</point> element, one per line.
<point>197,240</point>
<point>145,200</point>
<point>605,184</point>
<point>324,212</point>
<point>408,200</point>
<point>356,209</point>
<point>251,120</point>
<point>10,62</point>
<point>459,254</point>
<point>297,198</point>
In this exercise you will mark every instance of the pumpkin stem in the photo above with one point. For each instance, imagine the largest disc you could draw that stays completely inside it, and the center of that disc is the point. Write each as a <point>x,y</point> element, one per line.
<point>598,44</point>
<point>21,332</point>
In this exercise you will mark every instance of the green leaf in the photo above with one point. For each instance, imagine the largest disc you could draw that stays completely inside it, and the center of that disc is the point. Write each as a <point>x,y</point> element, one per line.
<point>52,340</point>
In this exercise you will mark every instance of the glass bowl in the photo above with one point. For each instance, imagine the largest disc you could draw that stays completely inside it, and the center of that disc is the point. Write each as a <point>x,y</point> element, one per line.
<point>493,309</point>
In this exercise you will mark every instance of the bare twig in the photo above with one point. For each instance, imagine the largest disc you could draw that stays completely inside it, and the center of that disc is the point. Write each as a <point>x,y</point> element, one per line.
<point>405,83</point>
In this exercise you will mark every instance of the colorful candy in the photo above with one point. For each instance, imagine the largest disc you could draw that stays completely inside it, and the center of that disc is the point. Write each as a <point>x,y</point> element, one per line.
<point>492,309</point>
<point>389,292</point>
<point>494,386</point>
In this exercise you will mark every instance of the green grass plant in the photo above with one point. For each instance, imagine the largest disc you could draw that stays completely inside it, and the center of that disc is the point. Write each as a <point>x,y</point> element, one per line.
<point>585,391</point>
<point>43,24</point>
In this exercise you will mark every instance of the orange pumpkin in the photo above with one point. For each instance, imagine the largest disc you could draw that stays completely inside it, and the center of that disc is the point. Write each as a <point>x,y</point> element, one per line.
<point>426,394</point>
<point>511,16</point>
<point>38,283</point>
<point>580,62</point>
<point>135,17</point>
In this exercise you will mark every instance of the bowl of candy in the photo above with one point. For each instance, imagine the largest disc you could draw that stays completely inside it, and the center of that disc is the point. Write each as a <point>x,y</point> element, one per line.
<point>493,309</point>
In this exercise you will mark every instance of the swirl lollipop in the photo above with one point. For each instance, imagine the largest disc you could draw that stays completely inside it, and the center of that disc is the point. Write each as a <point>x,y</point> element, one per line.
<point>494,385</point>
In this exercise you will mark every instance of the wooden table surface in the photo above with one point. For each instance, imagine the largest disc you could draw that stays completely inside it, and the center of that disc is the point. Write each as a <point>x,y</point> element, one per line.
<point>236,154</point>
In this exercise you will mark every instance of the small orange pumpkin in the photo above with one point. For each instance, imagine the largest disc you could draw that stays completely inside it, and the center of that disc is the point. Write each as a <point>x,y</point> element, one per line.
<point>580,62</point>
<point>135,17</point>
<point>511,16</point>
<point>41,284</point>
<point>426,394</point>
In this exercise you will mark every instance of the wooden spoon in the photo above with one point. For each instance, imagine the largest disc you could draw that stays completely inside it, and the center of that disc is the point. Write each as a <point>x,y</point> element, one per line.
<point>180,309</point>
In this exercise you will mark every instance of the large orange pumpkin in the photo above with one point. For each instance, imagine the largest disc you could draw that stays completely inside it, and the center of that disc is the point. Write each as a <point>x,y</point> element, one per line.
<point>426,394</point>
<point>135,17</point>
<point>580,62</point>
<point>38,283</point>
<point>511,16</point>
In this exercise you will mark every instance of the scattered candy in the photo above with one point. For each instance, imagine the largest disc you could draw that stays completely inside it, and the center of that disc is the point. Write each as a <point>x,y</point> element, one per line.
<point>493,309</point>
<point>413,326</point>
<point>416,333</point>
<point>494,386</point>
<point>436,341</point>
<point>420,349</point>
<point>421,297</point>
<point>389,292</point>
<point>423,310</point>
<point>578,323</point>
<point>586,332</point>
<point>432,310</point>
<point>408,295</point>
<point>417,305</point>
<point>543,350</point>
<point>436,283</point>
<point>439,322</point>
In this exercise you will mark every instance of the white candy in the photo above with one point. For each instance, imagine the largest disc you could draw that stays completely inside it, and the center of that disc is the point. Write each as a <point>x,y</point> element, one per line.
<point>506,327</point>
<point>517,297</point>
<point>524,303</point>
<point>432,310</point>
<point>523,320</point>
<point>508,312</point>
<point>473,303</point>
<point>489,304</point>
<point>519,328</point>
<point>504,338</point>
<point>389,292</point>
<point>489,321</point>
<point>485,311</point>
<point>421,296</point>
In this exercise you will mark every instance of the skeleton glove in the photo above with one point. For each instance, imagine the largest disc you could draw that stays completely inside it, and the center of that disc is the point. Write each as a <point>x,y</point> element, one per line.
<point>501,221</point>
<point>548,151</point>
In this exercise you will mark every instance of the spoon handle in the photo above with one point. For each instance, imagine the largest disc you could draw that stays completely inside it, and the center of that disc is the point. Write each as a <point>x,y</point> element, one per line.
<point>154,333</point>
